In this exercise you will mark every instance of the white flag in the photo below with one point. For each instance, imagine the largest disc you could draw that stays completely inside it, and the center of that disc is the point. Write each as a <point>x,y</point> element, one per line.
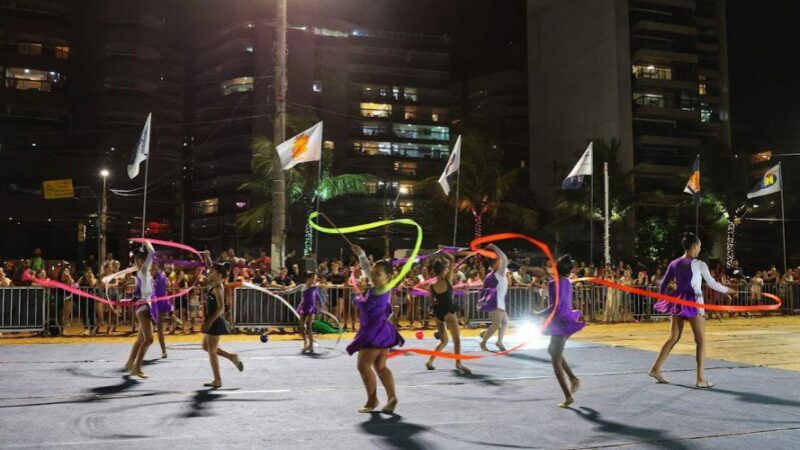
<point>453,164</point>
<point>142,149</point>
<point>583,168</point>
<point>305,147</point>
<point>770,183</point>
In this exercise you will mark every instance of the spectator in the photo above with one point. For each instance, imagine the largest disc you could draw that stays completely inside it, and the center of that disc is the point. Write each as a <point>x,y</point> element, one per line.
<point>283,279</point>
<point>37,262</point>
<point>88,280</point>
<point>4,280</point>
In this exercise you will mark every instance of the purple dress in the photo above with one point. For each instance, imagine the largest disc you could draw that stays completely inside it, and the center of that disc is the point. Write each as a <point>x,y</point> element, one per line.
<point>681,271</point>
<point>311,297</point>
<point>376,331</point>
<point>487,300</point>
<point>566,321</point>
<point>160,309</point>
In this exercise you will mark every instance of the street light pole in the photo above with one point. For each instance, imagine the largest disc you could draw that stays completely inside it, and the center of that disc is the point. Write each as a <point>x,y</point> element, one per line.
<point>101,239</point>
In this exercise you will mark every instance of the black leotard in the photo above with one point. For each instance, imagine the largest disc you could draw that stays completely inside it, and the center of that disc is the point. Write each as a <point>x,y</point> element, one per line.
<point>219,326</point>
<point>443,302</point>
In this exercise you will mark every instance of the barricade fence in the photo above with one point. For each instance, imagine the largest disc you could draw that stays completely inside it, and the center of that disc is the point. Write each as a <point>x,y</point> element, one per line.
<point>54,311</point>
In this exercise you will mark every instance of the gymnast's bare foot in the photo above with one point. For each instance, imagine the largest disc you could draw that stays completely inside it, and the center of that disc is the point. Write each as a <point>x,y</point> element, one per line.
<point>566,402</point>
<point>369,406</point>
<point>704,384</point>
<point>390,406</point>
<point>483,347</point>
<point>657,375</point>
<point>463,369</point>
<point>575,384</point>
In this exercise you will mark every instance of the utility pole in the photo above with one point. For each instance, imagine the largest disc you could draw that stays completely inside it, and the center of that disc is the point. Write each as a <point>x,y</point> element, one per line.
<point>278,245</point>
<point>101,240</point>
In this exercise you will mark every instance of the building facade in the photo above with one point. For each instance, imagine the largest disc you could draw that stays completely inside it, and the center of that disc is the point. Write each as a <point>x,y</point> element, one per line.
<point>80,78</point>
<point>383,97</point>
<point>651,74</point>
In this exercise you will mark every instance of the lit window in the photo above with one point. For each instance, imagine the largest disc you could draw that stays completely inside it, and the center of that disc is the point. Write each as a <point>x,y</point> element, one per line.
<point>62,52</point>
<point>410,94</point>
<point>435,117</point>
<point>705,115</point>
<point>660,73</point>
<point>406,206</point>
<point>248,49</point>
<point>405,168</point>
<point>29,48</point>
<point>31,79</point>
<point>411,113</point>
<point>406,188</point>
<point>241,84</point>
<point>328,145</point>
<point>371,148</point>
<point>316,86</point>
<point>379,110</point>
<point>396,92</point>
<point>701,89</point>
<point>241,204</point>
<point>205,207</point>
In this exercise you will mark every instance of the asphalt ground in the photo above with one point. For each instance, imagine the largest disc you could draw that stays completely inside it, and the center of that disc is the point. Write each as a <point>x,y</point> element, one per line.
<point>76,395</point>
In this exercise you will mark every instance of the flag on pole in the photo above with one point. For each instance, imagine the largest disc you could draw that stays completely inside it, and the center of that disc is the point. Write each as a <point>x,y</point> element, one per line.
<point>770,183</point>
<point>693,186</point>
<point>142,150</point>
<point>452,166</point>
<point>305,147</point>
<point>583,168</point>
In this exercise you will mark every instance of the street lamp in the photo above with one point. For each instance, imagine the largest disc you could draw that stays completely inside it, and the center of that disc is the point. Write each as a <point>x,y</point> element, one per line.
<point>101,239</point>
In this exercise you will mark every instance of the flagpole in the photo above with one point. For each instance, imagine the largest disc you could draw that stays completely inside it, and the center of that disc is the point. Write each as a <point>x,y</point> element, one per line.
<point>316,233</point>
<point>607,229</point>
<point>455,222</point>
<point>697,202</point>
<point>144,202</point>
<point>783,219</point>
<point>591,217</point>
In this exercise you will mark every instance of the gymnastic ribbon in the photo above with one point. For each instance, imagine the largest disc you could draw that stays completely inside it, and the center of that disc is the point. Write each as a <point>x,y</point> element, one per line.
<point>369,226</point>
<point>84,294</point>
<point>258,288</point>
<point>474,246</point>
<point>683,302</point>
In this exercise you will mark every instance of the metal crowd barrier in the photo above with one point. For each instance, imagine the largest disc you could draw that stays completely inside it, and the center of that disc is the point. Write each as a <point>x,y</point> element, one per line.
<point>57,312</point>
<point>23,308</point>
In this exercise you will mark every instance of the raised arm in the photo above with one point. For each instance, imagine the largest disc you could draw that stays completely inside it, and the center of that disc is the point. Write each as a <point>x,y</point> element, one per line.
<point>363,261</point>
<point>712,283</point>
<point>503,259</point>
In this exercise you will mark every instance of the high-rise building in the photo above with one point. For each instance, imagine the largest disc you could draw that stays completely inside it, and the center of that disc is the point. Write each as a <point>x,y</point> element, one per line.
<point>383,97</point>
<point>650,73</point>
<point>80,78</point>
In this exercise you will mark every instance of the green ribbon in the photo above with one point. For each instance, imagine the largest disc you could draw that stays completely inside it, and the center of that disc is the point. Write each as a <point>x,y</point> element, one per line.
<point>369,226</point>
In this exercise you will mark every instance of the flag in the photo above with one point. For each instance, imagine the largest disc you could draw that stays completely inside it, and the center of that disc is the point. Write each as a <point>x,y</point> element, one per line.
<point>452,166</point>
<point>141,151</point>
<point>770,183</point>
<point>583,168</point>
<point>305,147</point>
<point>693,186</point>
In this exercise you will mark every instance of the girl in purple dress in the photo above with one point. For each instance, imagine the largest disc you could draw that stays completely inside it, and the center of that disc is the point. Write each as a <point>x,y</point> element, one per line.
<point>565,323</point>
<point>160,310</point>
<point>688,273</point>
<point>307,309</point>
<point>493,299</point>
<point>376,334</point>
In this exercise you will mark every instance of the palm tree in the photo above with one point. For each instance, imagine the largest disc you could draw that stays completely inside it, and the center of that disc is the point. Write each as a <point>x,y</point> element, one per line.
<point>487,189</point>
<point>303,188</point>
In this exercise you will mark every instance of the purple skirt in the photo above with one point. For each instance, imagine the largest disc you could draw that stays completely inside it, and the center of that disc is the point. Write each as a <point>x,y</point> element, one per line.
<point>673,309</point>
<point>160,309</point>
<point>488,299</point>
<point>376,330</point>
<point>304,309</point>
<point>565,323</point>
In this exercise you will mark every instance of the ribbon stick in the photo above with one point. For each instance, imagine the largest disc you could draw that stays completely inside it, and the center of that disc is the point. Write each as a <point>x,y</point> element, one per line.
<point>474,246</point>
<point>683,302</point>
<point>369,226</point>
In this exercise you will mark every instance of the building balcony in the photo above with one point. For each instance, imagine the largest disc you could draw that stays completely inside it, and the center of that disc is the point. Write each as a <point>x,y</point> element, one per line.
<point>645,84</point>
<point>128,84</point>
<point>49,8</point>
<point>667,141</point>
<point>687,4</point>
<point>706,21</point>
<point>127,50</point>
<point>707,47</point>
<point>662,28</point>
<point>665,112</point>
<point>646,55</point>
